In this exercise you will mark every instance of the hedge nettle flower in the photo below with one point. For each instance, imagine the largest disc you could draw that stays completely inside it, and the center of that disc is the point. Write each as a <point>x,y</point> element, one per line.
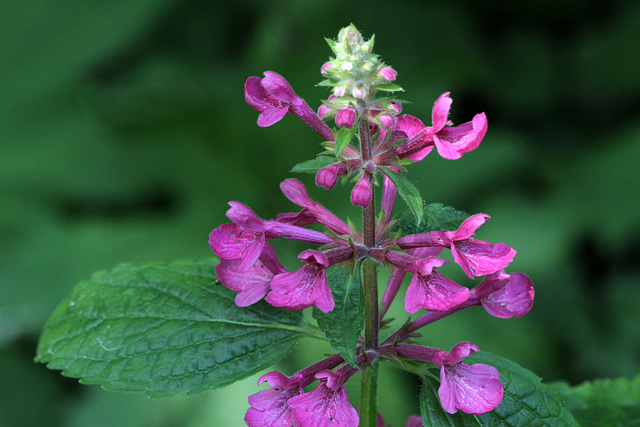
<point>249,264</point>
<point>327,405</point>
<point>474,389</point>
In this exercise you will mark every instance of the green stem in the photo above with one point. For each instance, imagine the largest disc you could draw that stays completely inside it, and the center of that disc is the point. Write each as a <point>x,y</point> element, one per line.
<point>368,397</point>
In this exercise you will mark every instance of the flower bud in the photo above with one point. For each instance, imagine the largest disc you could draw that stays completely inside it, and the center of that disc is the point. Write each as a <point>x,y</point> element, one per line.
<point>361,194</point>
<point>346,117</point>
<point>388,73</point>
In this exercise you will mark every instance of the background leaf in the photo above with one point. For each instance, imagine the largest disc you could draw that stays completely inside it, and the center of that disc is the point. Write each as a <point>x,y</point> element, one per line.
<point>343,325</point>
<point>606,402</point>
<point>165,329</point>
<point>526,400</point>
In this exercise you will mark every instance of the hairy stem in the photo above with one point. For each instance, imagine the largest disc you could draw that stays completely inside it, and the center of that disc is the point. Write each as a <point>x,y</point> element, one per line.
<point>369,396</point>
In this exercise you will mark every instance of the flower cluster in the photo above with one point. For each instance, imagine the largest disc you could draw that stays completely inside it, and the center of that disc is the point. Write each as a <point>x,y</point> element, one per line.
<point>250,266</point>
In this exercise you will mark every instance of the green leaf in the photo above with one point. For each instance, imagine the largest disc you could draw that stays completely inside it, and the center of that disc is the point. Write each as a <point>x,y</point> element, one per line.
<point>437,217</point>
<point>603,402</point>
<point>314,165</point>
<point>165,329</point>
<point>526,400</point>
<point>408,192</point>
<point>433,415</point>
<point>343,138</point>
<point>343,324</point>
<point>389,87</point>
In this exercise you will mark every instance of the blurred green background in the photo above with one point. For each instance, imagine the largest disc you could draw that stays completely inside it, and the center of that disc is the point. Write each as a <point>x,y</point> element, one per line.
<point>124,133</point>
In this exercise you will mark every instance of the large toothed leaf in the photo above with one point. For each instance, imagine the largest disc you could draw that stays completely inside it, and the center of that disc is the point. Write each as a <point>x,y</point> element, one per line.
<point>343,324</point>
<point>164,329</point>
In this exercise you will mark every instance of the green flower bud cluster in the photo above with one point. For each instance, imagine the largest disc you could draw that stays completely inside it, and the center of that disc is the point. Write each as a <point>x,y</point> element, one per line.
<point>355,73</point>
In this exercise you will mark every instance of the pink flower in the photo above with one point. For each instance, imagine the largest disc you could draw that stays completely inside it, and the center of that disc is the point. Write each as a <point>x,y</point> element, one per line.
<point>414,421</point>
<point>431,290</point>
<point>419,142</point>
<point>326,406</point>
<point>244,239</point>
<point>231,242</point>
<point>269,408</point>
<point>453,141</point>
<point>361,193</point>
<point>254,282</point>
<point>273,97</point>
<point>305,287</point>
<point>476,257</point>
<point>313,212</point>
<point>473,389</point>
<point>505,295</point>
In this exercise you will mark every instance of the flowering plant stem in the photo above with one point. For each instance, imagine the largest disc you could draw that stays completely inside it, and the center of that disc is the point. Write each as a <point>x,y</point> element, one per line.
<point>368,397</point>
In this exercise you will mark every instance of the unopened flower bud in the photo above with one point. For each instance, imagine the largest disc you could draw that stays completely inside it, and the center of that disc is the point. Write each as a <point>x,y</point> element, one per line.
<point>325,67</point>
<point>328,176</point>
<point>339,91</point>
<point>361,194</point>
<point>346,117</point>
<point>388,73</point>
<point>359,92</point>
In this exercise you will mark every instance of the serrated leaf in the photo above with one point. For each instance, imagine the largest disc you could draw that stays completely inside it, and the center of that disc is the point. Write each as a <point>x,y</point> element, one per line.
<point>433,415</point>
<point>436,217</point>
<point>603,402</point>
<point>526,400</point>
<point>344,137</point>
<point>164,329</point>
<point>343,324</point>
<point>408,192</point>
<point>314,165</point>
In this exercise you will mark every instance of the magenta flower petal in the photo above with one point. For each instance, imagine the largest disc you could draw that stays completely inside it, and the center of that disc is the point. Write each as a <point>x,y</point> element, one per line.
<point>326,406</point>
<point>433,292</point>
<point>440,113</point>
<point>305,287</point>
<point>273,97</point>
<point>452,142</point>
<point>269,408</point>
<point>231,242</point>
<point>297,193</point>
<point>252,283</point>
<point>513,299</point>
<point>478,258</point>
<point>272,116</point>
<point>473,389</point>
<point>246,218</point>
<point>468,227</point>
